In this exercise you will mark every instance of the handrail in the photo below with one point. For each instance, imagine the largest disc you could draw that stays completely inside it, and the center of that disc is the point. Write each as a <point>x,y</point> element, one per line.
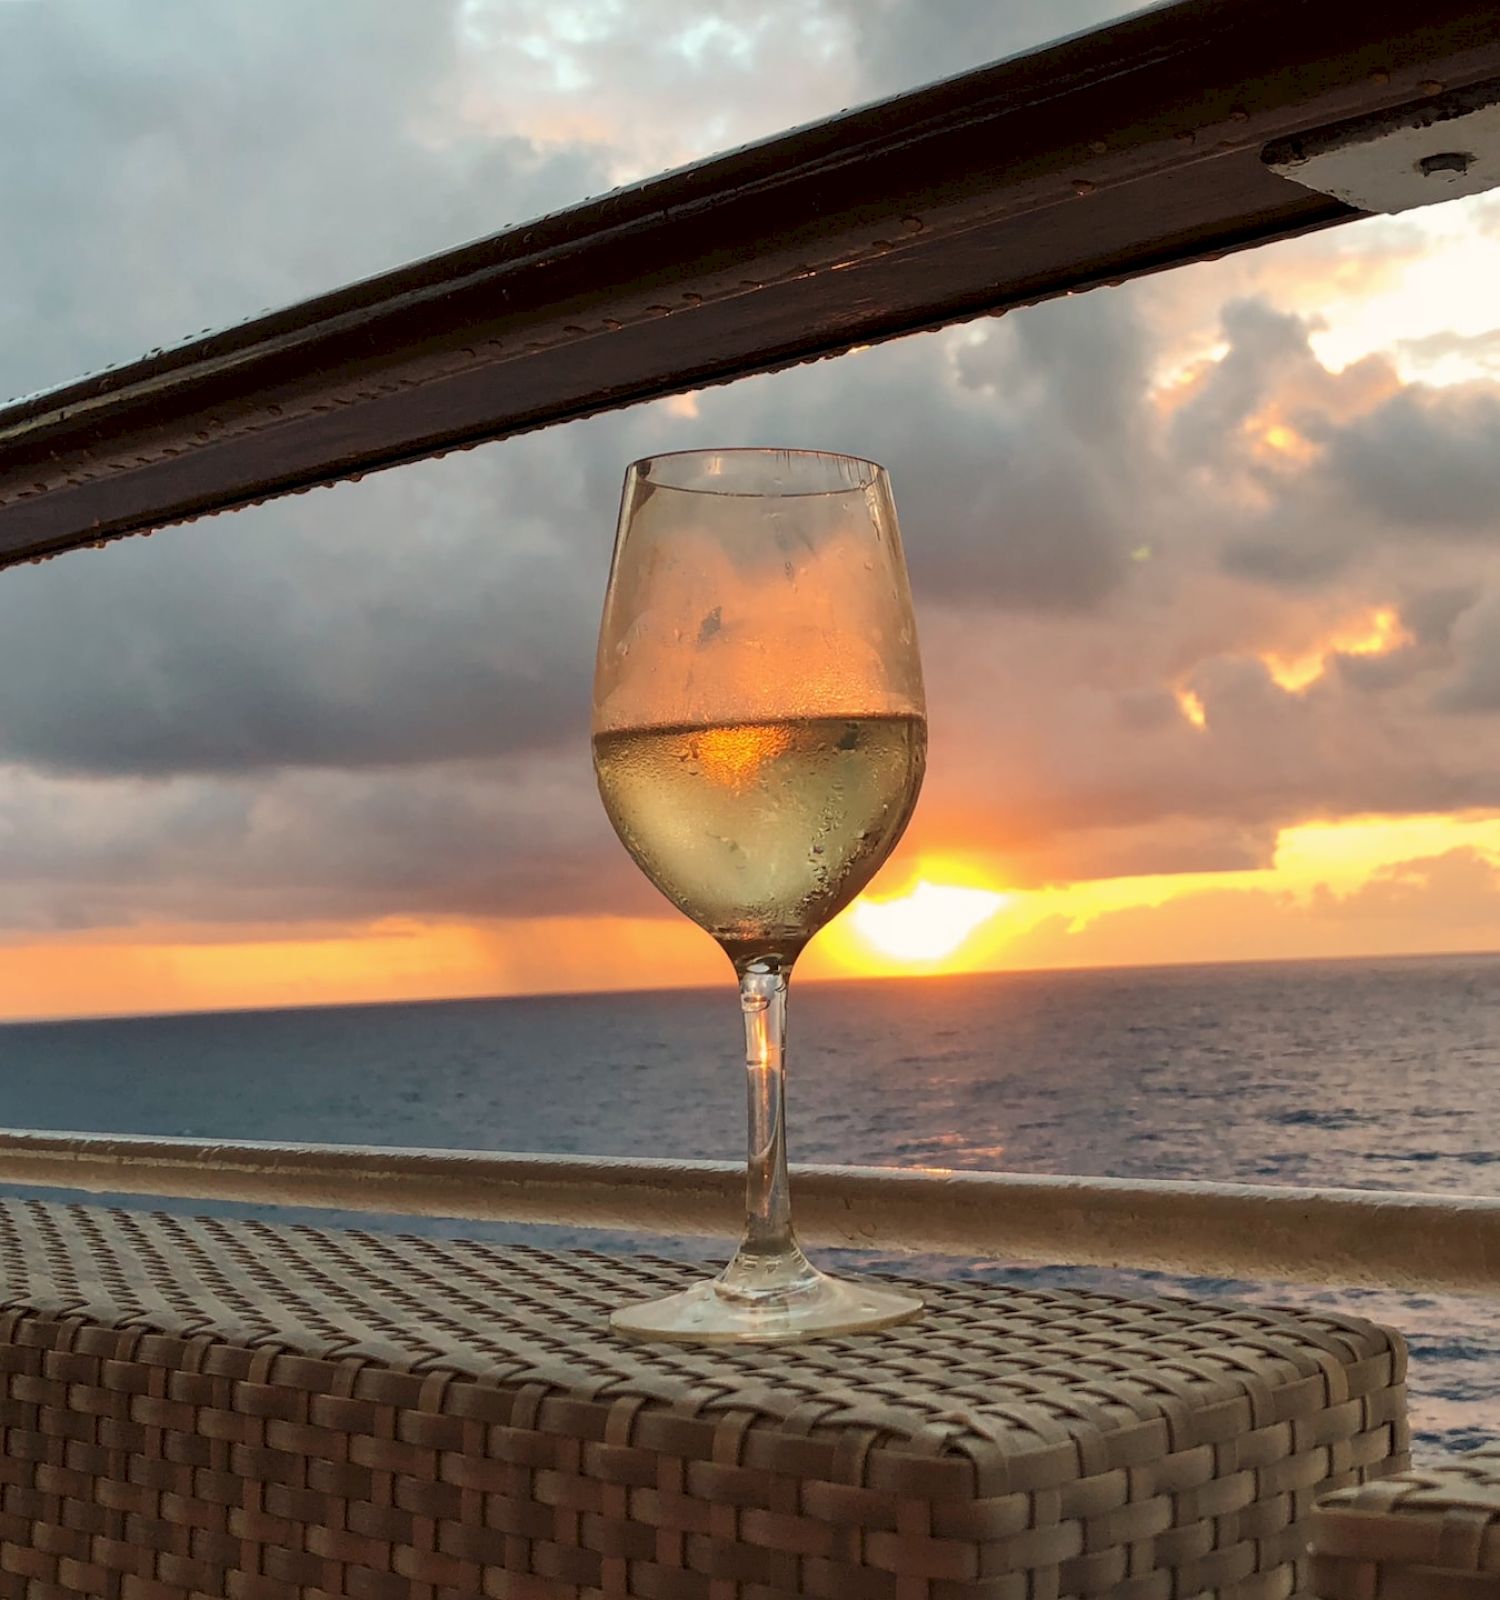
<point>1333,1236</point>
<point>1113,153</point>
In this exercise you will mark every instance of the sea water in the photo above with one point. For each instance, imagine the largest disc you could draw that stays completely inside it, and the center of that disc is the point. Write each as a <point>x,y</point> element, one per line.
<point>1377,1074</point>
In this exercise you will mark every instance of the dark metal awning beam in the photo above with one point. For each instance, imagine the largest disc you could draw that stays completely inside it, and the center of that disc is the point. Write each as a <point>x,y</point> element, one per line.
<point>1111,154</point>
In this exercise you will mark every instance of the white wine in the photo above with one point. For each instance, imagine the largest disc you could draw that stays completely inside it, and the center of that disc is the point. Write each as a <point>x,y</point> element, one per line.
<point>762,831</point>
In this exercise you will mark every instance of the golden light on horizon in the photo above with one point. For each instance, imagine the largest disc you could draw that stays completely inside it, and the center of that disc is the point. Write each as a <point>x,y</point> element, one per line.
<point>946,919</point>
<point>928,923</point>
<point>1376,634</point>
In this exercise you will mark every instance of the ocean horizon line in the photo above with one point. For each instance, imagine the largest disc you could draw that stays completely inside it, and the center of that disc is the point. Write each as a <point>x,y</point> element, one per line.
<point>839,981</point>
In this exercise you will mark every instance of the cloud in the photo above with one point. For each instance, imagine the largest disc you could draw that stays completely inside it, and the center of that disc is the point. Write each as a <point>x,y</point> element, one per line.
<point>1474,686</point>
<point>1426,461</point>
<point>522,837</point>
<point>1014,452</point>
<point>900,43</point>
<point>374,700</point>
<point>1448,902</point>
<point>1469,350</point>
<point>420,616</point>
<point>597,75</point>
<point>1461,886</point>
<point>170,168</point>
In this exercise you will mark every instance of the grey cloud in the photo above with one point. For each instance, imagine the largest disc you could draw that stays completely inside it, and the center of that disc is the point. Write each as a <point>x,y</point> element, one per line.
<point>192,166</point>
<point>1427,460</point>
<point>1373,674</point>
<point>448,611</point>
<point>193,169</point>
<point>1395,462</point>
<point>1474,686</point>
<point>1263,345</point>
<point>904,42</point>
<point>1289,563</point>
<point>408,620</point>
<point>510,837</point>
<point>1178,844</point>
<point>1049,738</point>
<point>1019,473</point>
<point>1430,613</point>
<point>1482,349</point>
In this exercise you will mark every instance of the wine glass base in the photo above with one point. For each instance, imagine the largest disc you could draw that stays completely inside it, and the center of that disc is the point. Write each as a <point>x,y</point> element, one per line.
<point>823,1306</point>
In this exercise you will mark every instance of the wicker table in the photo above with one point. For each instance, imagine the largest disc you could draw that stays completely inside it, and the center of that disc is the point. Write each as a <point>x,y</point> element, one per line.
<point>227,1409</point>
<point>1429,1534</point>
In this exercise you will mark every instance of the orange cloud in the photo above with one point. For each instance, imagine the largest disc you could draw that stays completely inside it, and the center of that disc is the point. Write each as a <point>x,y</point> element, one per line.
<point>1376,633</point>
<point>1192,708</point>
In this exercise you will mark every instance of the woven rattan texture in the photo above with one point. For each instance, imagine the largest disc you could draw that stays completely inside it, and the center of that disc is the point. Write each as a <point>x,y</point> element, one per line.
<point>226,1409</point>
<point>1429,1534</point>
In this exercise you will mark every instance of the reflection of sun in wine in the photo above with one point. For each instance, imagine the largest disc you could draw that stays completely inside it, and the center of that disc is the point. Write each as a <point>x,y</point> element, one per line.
<point>929,922</point>
<point>732,755</point>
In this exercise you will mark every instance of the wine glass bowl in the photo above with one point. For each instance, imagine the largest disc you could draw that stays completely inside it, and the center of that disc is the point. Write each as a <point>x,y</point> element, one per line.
<point>759,742</point>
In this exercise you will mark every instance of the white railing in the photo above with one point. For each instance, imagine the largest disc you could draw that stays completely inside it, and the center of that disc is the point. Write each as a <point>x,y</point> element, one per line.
<point>1334,1236</point>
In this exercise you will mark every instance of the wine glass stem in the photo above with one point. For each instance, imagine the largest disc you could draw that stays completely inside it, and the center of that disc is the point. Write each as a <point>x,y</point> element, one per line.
<point>768,1203</point>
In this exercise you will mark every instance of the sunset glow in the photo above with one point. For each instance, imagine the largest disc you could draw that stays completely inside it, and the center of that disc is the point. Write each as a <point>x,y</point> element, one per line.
<point>927,924</point>
<point>1352,887</point>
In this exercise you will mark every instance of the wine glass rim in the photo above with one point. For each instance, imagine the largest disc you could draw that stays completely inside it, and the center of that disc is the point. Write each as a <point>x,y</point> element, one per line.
<point>871,471</point>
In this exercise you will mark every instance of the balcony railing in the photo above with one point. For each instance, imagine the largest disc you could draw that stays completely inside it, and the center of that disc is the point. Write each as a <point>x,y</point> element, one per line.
<point>1333,1236</point>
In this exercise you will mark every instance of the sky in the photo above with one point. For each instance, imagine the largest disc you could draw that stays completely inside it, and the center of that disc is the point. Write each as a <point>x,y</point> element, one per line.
<point>1207,567</point>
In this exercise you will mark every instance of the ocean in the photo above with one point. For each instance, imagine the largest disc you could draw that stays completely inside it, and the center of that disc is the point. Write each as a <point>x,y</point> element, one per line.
<point>1370,1074</point>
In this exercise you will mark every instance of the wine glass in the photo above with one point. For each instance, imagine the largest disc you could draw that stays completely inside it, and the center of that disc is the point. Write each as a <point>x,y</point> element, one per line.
<point>760,735</point>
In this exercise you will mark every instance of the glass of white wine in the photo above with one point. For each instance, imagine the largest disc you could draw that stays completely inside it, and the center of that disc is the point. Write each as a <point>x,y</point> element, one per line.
<point>760,735</point>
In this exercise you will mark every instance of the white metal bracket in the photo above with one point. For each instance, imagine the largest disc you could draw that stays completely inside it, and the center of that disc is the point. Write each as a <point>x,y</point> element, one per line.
<point>1416,155</point>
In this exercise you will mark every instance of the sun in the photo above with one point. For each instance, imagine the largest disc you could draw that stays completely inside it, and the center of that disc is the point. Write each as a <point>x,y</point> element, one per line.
<point>926,924</point>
